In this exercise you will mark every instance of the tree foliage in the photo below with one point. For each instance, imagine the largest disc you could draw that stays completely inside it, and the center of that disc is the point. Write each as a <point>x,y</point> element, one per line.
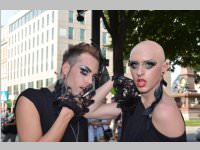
<point>176,30</point>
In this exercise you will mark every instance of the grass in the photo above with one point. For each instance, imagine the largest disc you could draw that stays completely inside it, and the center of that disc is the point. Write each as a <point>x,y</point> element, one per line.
<point>195,122</point>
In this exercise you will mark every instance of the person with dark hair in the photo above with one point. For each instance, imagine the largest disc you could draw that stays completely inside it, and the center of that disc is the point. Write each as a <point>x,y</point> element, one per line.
<point>148,112</point>
<point>58,113</point>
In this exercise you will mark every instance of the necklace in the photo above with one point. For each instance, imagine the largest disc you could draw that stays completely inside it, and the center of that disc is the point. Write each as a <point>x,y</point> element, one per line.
<point>75,134</point>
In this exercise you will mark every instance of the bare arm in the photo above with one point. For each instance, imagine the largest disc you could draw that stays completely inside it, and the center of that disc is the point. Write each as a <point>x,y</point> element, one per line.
<point>105,111</point>
<point>99,109</point>
<point>29,126</point>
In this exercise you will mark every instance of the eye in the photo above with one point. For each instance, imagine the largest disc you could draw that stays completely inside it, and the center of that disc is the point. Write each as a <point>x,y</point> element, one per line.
<point>84,70</point>
<point>149,64</point>
<point>133,64</point>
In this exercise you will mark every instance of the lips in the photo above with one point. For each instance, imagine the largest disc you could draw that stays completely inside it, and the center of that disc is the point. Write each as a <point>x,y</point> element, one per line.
<point>141,83</point>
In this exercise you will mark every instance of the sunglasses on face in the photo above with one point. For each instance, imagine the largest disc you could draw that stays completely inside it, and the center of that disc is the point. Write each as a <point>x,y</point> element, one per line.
<point>148,64</point>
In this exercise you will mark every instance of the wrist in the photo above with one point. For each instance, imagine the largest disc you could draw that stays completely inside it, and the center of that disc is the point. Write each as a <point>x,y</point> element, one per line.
<point>65,111</point>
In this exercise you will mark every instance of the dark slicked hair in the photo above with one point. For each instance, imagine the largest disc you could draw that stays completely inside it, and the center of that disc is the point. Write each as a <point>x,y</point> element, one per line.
<point>74,51</point>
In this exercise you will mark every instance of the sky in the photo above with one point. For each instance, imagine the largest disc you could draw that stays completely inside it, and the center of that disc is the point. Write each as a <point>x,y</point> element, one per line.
<point>6,14</point>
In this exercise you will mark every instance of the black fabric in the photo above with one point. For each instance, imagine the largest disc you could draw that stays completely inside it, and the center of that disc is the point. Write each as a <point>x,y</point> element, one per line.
<point>43,100</point>
<point>137,127</point>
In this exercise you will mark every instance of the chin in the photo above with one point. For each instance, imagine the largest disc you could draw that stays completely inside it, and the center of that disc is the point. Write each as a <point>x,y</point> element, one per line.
<point>142,90</point>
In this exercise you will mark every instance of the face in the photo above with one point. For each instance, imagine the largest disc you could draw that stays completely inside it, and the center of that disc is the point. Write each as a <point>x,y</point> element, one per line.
<point>82,73</point>
<point>147,67</point>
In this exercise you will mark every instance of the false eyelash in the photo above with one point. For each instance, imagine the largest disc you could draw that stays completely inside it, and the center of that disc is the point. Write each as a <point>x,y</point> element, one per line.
<point>84,70</point>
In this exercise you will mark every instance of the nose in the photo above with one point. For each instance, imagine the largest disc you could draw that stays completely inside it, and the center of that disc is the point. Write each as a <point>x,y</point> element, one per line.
<point>88,79</point>
<point>140,70</point>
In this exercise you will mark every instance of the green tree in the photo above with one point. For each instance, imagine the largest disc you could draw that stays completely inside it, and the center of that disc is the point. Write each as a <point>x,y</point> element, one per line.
<point>177,31</point>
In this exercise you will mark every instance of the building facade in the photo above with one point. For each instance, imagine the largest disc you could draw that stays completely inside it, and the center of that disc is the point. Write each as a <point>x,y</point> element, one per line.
<point>36,41</point>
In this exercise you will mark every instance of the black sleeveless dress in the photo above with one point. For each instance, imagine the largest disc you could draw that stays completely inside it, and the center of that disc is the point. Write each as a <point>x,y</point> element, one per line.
<point>43,100</point>
<point>138,127</point>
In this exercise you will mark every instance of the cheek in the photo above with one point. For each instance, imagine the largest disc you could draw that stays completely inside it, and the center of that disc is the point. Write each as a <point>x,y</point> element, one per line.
<point>153,76</point>
<point>72,78</point>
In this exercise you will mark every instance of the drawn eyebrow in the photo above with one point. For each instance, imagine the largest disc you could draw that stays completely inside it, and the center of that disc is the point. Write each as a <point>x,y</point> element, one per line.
<point>85,67</point>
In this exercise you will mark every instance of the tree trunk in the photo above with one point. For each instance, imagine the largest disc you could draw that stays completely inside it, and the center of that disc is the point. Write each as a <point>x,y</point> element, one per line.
<point>118,67</point>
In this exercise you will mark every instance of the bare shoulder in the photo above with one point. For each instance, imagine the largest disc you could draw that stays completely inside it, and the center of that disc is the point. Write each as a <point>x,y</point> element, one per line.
<point>167,118</point>
<point>27,119</point>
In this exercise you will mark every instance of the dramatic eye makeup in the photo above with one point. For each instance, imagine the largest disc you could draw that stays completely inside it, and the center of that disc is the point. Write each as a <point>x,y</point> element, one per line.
<point>84,70</point>
<point>133,64</point>
<point>148,64</point>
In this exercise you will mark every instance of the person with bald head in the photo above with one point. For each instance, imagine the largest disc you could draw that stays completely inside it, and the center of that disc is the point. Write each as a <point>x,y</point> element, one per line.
<point>155,116</point>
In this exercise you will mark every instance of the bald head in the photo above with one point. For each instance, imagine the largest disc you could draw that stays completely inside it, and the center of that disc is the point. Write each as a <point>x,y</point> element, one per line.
<point>148,50</point>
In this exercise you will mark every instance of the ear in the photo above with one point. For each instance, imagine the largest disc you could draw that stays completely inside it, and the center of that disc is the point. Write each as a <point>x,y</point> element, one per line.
<point>65,69</point>
<point>165,66</point>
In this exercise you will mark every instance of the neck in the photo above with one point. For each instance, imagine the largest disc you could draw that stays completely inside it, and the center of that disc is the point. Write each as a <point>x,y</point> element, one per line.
<point>148,98</point>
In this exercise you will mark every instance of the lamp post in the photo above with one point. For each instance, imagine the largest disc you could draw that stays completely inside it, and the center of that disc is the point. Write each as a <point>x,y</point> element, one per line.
<point>96,27</point>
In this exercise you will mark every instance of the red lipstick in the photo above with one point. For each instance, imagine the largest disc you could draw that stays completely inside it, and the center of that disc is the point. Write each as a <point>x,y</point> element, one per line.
<point>141,83</point>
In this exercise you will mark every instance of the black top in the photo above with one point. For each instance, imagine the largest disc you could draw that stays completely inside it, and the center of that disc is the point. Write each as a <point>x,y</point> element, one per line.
<point>43,100</point>
<point>138,127</point>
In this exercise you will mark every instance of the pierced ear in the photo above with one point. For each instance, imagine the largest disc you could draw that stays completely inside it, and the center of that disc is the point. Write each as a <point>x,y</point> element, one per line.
<point>165,67</point>
<point>65,69</point>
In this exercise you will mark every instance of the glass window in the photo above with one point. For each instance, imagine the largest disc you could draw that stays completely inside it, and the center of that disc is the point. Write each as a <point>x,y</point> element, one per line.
<point>52,55</point>
<point>52,35</point>
<point>47,36</point>
<point>25,65</point>
<point>37,61</point>
<point>46,58</point>
<point>38,25</point>
<point>49,81</point>
<point>22,47</point>
<point>25,31</point>
<point>29,61</point>
<point>16,92</point>
<point>29,44</point>
<point>29,29</point>
<point>38,40</point>
<point>42,22</point>
<point>22,34</point>
<point>82,34</point>
<point>34,27</point>
<point>39,83</point>
<point>52,16</point>
<point>25,46</point>
<point>70,33</point>
<point>33,60</point>
<point>104,38</point>
<point>70,16</point>
<point>9,89</point>
<point>21,65</point>
<point>47,19</point>
<point>42,41</point>
<point>22,87</point>
<point>42,53</point>
<point>18,37</point>
<point>31,84</point>
<point>33,42</point>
